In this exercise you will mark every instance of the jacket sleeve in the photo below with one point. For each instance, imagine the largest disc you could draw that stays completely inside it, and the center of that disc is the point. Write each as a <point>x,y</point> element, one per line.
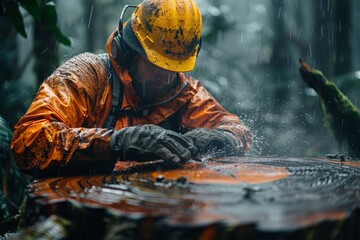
<point>58,132</point>
<point>204,111</point>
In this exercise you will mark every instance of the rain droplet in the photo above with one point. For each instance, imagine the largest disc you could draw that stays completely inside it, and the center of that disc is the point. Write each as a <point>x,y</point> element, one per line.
<point>91,12</point>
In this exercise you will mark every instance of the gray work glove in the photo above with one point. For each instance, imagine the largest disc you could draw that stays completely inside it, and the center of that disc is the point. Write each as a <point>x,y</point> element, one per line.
<point>150,142</point>
<point>216,142</point>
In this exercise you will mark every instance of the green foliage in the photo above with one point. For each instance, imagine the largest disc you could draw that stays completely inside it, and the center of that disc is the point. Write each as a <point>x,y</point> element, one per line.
<point>12,181</point>
<point>13,12</point>
<point>49,18</point>
<point>45,13</point>
<point>32,6</point>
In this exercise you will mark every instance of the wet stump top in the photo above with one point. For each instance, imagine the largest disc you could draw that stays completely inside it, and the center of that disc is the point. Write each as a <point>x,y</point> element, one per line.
<point>221,198</point>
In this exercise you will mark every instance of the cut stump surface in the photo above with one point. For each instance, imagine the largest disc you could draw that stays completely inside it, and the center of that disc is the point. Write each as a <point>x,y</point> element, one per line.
<point>267,195</point>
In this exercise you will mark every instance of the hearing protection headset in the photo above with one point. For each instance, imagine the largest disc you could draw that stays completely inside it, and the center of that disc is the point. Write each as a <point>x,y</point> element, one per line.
<point>119,49</point>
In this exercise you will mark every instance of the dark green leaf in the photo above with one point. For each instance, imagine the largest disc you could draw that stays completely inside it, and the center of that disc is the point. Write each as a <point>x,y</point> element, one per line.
<point>32,6</point>
<point>49,18</point>
<point>60,37</point>
<point>48,14</point>
<point>13,12</point>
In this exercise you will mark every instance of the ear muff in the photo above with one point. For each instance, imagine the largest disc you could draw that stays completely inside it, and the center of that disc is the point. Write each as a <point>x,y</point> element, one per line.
<point>118,46</point>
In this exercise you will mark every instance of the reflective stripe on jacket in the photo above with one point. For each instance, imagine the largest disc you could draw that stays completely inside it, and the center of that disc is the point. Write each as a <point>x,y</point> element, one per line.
<point>63,126</point>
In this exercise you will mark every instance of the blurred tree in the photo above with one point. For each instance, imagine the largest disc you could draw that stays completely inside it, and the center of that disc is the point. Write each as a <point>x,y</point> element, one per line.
<point>332,36</point>
<point>321,49</point>
<point>45,49</point>
<point>277,121</point>
<point>8,49</point>
<point>343,32</point>
<point>218,20</point>
<point>280,59</point>
<point>8,58</point>
<point>43,11</point>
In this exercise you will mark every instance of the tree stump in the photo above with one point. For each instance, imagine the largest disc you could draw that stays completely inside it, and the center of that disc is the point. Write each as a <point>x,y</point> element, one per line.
<point>223,198</point>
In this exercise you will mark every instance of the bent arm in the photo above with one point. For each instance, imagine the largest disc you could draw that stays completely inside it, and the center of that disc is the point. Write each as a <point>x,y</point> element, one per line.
<point>204,111</point>
<point>58,132</point>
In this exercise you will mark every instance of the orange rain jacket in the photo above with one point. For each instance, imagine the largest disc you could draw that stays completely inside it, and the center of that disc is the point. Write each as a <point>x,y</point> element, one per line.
<point>63,126</point>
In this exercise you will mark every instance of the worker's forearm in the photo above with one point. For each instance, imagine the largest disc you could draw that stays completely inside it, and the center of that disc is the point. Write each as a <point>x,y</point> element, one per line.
<point>53,145</point>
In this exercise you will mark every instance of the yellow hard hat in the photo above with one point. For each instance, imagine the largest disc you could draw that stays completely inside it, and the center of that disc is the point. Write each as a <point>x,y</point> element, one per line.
<point>169,32</point>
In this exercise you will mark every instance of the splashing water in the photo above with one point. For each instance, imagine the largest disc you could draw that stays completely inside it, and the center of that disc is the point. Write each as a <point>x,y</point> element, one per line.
<point>213,152</point>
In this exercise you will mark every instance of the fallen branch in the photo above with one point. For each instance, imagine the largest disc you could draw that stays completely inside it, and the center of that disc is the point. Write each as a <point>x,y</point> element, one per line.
<point>341,114</point>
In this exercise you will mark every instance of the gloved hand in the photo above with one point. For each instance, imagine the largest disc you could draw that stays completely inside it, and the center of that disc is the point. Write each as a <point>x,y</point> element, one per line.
<point>217,142</point>
<point>150,142</point>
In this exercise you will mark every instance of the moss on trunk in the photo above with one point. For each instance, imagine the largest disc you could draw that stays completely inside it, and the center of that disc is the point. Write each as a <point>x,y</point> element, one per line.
<point>341,114</point>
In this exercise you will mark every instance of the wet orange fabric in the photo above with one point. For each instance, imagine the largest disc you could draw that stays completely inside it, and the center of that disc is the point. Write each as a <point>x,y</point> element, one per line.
<point>63,125</point>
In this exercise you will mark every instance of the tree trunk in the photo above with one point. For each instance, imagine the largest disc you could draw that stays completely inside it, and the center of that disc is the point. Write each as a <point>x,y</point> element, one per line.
<point>343,31</point>
<point>281,57</point>
<point>322,49</point>
<point>45,51</point>
<point>8,59</point>
<point>8,50</point>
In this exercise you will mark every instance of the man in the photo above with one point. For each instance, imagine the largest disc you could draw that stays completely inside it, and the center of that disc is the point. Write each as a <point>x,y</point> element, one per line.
<point>159,112</point>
